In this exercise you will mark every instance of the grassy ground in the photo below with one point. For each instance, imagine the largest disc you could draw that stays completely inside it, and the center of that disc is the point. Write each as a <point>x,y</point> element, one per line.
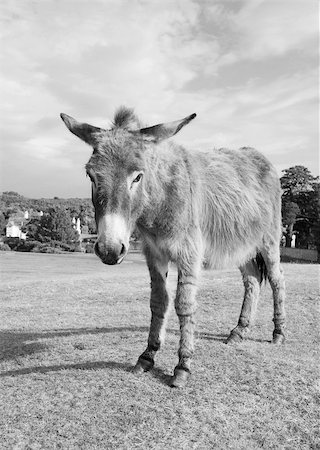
<point>73,328</point>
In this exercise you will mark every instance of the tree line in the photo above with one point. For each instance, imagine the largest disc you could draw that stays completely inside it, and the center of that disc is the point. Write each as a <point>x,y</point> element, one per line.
<point>49,226</point>
<point>54,229</point>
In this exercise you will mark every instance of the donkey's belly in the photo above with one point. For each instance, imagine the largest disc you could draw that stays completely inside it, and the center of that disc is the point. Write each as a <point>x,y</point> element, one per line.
<point>220,257</point>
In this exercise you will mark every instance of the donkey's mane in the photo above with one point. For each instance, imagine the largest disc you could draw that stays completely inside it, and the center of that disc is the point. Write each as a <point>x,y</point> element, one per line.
<point>126,118</point>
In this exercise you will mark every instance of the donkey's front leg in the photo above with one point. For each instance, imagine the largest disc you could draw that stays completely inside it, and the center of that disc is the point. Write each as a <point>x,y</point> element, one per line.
<point>186,305</point>
<point>159,304</point>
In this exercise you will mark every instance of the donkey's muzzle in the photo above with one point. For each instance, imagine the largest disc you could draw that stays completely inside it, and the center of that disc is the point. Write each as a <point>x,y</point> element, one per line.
<point>110,254</point>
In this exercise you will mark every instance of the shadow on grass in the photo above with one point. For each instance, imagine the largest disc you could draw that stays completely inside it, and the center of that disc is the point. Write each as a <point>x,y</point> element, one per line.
<point>157,373</point>
<point>161,376</point>
<point>59,367</point>
<point>261,341</point>
<point>15,343</point>
<point>19,344</point>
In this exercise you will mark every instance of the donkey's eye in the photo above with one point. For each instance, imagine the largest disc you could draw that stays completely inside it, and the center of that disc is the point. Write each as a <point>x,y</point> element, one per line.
<point>92,178</point>
<point>134,179</point>
<point>138,178</point>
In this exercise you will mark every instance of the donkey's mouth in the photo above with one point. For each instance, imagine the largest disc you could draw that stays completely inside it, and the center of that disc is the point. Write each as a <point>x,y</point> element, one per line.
<point>111,260</point>
<point>121,259</point>
<point>110,255</point>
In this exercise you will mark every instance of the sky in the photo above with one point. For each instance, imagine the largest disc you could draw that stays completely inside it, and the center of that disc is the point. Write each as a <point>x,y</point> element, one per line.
<point>248,68</point>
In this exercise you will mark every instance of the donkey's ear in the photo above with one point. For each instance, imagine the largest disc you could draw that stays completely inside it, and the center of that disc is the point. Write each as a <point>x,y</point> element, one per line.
<point>84,131</point>
<point>164,130</point>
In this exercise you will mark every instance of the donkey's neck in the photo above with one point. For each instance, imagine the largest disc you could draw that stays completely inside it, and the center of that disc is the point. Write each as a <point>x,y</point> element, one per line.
<point>168,186</point>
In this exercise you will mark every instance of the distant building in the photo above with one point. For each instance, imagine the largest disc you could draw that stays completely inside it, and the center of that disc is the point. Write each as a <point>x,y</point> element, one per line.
<point>15,224</point>
<point>76,225</point>
<point>14,230</point>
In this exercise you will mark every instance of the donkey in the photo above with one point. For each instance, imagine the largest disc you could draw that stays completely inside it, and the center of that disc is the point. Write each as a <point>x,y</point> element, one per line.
<point>222,207</point>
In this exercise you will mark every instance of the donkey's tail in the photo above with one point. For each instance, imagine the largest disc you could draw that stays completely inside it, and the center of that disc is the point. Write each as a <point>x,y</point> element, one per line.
<point>262,268</point>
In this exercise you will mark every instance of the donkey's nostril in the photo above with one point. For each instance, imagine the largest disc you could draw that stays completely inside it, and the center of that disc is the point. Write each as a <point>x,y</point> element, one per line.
<point>123,250</point>
<point>97,249</point>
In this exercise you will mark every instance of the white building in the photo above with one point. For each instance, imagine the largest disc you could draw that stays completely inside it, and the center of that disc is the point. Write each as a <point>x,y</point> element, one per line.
<point>76,224</point>
<point>13,230</point>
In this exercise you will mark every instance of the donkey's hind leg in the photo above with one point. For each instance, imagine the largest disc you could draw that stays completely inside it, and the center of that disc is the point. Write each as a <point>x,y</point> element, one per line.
<point>251,279</point>
<point>159,304</point>
<point>271,256</point>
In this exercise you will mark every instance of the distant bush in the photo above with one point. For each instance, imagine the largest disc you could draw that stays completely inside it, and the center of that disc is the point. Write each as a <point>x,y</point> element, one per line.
<point>48,249</point>
<point>39,247</point>
<point>67,247</point>
<point>89,248</point>
<point>12,242</point>
<point>26,246</point>
<point>79,249</point>
<point>35,246</point>
<point>4,247</point>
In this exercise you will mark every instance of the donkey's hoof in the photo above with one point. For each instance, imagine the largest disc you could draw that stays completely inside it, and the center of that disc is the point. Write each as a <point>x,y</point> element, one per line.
<point>143,365</point>
<point>138,369</point>
<point>278,338</point>
<point>234,338</point>
<point>180,377</point>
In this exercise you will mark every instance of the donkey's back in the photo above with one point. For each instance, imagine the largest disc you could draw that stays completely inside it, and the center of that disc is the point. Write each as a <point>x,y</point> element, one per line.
<point>240,207</point>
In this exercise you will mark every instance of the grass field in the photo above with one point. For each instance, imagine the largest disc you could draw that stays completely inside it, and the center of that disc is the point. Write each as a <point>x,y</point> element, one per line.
<point>72,329</point>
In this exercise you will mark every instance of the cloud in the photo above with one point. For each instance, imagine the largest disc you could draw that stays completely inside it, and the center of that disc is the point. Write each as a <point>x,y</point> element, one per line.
<point>127,52</point>
<point>271,28</point>
<point>246,67</point>
<point>279,118</point>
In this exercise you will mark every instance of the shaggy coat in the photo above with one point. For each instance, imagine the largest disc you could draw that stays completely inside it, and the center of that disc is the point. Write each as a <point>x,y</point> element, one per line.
<point>216,209</point>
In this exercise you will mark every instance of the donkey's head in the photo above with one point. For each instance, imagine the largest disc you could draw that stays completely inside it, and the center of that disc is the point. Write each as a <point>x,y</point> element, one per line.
<point>116,170</point>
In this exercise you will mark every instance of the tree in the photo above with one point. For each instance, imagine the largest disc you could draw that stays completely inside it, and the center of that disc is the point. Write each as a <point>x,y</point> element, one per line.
<point>56,225</point>
<point>290,212</point>
<point>300,204</point>
<point>3,223</point>
<point>315,216</point>
<point>33,229</point>
<point>13,200</point>
<point>296,180</point>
